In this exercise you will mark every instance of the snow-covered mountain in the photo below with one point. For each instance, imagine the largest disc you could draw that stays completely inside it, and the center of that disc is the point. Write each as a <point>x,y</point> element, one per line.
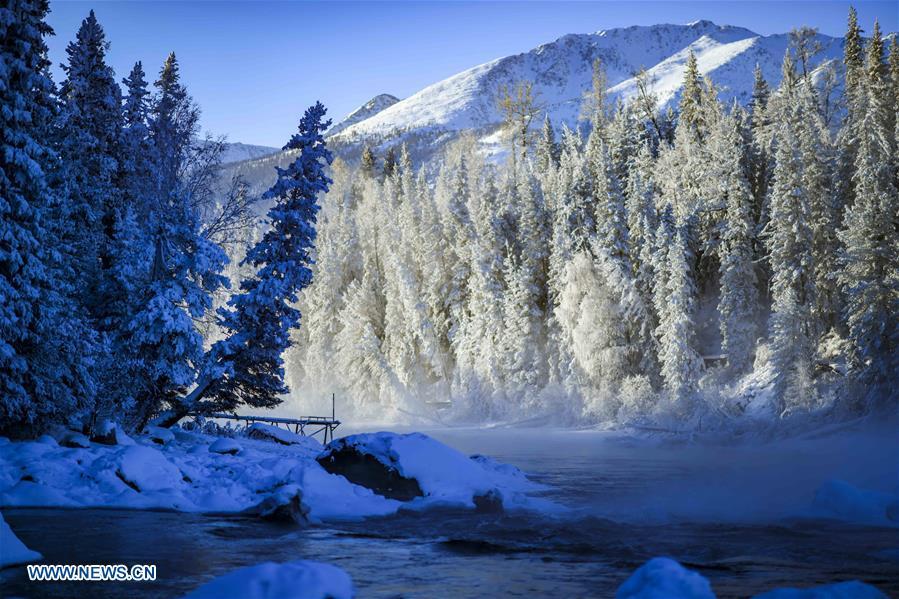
<point>238,152</point>
<point>366,111</point>
<point>562,72</point>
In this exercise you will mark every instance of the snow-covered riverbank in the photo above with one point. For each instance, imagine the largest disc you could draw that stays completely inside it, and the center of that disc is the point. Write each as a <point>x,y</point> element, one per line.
<point>193,472</point>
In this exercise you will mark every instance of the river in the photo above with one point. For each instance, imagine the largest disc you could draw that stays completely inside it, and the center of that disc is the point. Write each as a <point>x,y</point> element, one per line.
<point>732,512</point>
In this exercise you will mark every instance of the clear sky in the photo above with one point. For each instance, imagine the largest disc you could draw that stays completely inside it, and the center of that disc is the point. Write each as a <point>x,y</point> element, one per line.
<point>254,66</point>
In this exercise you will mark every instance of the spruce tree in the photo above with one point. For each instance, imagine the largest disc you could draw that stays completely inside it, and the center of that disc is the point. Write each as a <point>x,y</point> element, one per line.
<point>691,102</point>
<point>369,162</point>
<point>186,267</point>
<point>249,361</point>
<point>870,258</point>
<point>791,325</point>
<point>738,300</point>
<point>547,149</point>
<point>46,349</point>
<point>389,162</point>
<point>681,364</point>
<point>91,120</point>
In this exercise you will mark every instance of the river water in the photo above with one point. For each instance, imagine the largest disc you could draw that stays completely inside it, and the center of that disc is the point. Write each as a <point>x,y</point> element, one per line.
<point>733,513</point>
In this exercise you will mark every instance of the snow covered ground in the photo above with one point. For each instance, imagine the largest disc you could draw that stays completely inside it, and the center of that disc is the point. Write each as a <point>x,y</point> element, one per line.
<point>194,472</point>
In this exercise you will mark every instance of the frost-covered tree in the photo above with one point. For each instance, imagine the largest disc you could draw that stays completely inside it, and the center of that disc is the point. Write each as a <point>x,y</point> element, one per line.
<point>547,150</point>
<point>870,257</point>
<point>46,350</point>
<point>681,364</point>
<point>641,220</point>
<point>91,118</point>
<point>789,238</point>
<point>369,162</point>
<point>186,266</point>
<point>738,301</point>
<point>691,102</point>
<point>610,215</point>
<point>248,364</point>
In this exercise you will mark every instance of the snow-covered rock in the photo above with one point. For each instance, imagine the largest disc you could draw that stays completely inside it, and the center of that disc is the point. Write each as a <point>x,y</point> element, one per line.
<point>267,432</point>
<point>160,435</point>
<point>12,550</point>
<point>284,505</point>
<point>292,580</point>
<point>842,501</point>
<point>184,475</point>
<point>664,578</point>
<point>109,433</point>
<point>73,439</point>
<point>146,469</point>
<point>844,590</point>
<point>414,465</point>
<point>46,440</point>
<point>224,445</point>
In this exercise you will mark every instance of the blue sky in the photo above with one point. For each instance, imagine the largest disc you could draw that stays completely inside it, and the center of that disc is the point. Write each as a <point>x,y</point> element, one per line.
<point>254,66</point>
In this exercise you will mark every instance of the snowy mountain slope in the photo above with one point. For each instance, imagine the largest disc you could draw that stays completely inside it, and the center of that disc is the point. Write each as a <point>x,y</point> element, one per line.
<point>562,71</point>
<point>237,152</point>
<point>367,110</point>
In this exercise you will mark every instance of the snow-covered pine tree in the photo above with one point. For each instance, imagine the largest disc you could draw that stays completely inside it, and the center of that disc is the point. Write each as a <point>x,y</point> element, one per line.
<point>547,150</point>
<point>681,363</point>
<point>759,159</point>
<point>789,239</point>
<point>623,142</point>
<point>46,349</point>
<point>135,147</point>
<point>485,300</point>
<point>870,256</point>
<point>848,138</point>
<point>641,219</point>
<point>610,214</point>
<point>738,301</point>
<point>521,316</point>
<point>91,119</point>
<point>336,266</point>
<point>369,161</point>
<point>690,115</point>
<point>186,267</point>
<point>818,158</point>
<point>390,163</point>
<point>249,366</point>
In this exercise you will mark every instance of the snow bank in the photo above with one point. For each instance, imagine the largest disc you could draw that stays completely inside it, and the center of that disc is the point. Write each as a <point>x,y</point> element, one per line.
<point>844,590</point>
<point>664,578</point>
<point>293,580</point>
<point>267,432</point>
<point>444,475</point>
<point>194,472</point>
<point>12,550</point>
<point>842,501</point>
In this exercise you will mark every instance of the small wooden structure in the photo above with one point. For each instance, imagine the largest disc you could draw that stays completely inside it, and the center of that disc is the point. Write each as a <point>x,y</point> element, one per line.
<point>317,424</point>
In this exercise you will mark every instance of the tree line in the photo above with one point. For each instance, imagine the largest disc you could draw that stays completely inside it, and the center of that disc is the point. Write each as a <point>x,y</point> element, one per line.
<point>685,264</point>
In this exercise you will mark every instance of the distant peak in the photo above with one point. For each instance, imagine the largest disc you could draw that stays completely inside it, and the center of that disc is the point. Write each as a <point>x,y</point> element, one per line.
<point>367,110</point>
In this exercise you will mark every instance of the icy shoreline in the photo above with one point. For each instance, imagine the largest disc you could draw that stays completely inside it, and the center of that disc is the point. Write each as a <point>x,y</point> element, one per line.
<point>194,472</point>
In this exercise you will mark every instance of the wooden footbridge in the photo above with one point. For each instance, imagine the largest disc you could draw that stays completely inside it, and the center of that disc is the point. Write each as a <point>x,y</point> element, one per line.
<point>304,425</point>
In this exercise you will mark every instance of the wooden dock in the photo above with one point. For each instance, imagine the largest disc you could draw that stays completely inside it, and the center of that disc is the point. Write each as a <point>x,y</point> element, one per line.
<point>317,424</point>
